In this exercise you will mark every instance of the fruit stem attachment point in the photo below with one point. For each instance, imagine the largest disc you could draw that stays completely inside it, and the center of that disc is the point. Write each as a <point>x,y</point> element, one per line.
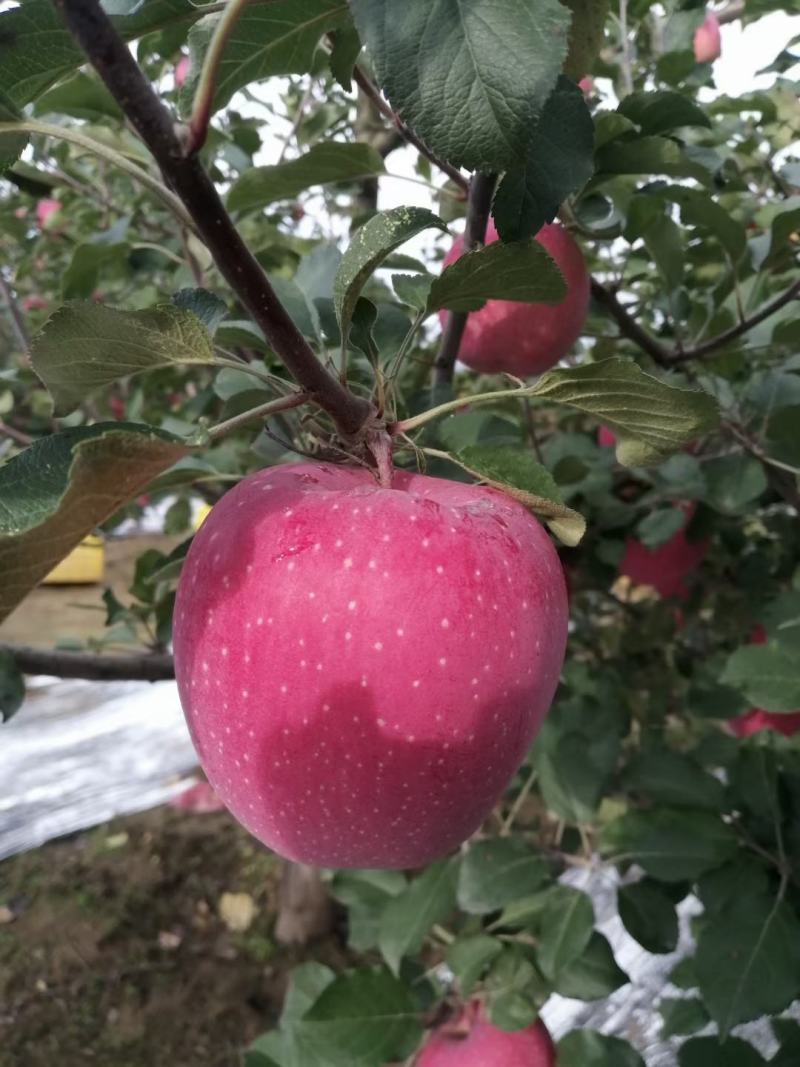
<point>380,445</point>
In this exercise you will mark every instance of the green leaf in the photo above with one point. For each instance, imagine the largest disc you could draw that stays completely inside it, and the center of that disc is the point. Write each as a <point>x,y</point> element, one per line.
<point>663,241</point>
<point>85,346</point>
<point>61,487</point>
<point>585,35</point>
<point>670,778</point>
<point>12,686</point>
<point>701,210</point>
<point>207,307</point>
<point>709,1052</point>
<point>649,916</point>
<point>280,37</point>
<point>12,145</point>
<point>595,975</point>
<point>785,222</point>
<point>365,1017</point>
<point>559,161</point>
<point>734,483</point>
<point>649,417</point>
<point>648,155</point>
<point>682,1016</point>
<point>409,916</point>
<point>744,878</point>
<point>372,243</point>
<point>566,925</point>
<point>469,78</point>
<point>587,1048</point>
<point>768,675</point>
<point>658,526</point>
<point>497,871</point>
<point>514,990</point>
<point>88,260</point>
<point>365,894</point>
<point>346,47</point>
<point>468,957</point>
<point>519,475</point>
<point>323,164</point>
<point>413,289</point>
<point>523,913</point>
<point>662,111</point>
<point>83,96</point>
<point>521,271</point>
<point>748,961</point>
<point>306,985</point>
<point>671,845</point>
<point>36,48</point>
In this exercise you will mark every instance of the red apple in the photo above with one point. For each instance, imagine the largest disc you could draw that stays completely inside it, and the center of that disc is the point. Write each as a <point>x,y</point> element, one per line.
<point>199,798</point>
<point>363,669</point>
<point>606,438</point>
<point>181,70</point>
<point>44,209</point>
<point>586,85</point>
<point>34,303</point>
<point>757,719</point>
<point>667,566</point>
<point>524,339</point>
<point>707,41</point>
<point>472,1041</point>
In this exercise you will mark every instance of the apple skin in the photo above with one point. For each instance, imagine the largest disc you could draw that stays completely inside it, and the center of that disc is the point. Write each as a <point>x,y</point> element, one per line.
<point>472,1041</point>
<point>667,566</point>
<point>786,723</point>
<point>34,303</point>
<point>606,438</point>
<point>363,669</point>
<point>525,339</point>
<point>181,71</point>
<point>707,40</point>
<point>586,85</point>
<point>44,209</point>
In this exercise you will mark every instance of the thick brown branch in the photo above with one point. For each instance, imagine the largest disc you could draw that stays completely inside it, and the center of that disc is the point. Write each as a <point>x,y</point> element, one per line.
<point>112,60</point>
<point>629,326</point>
<point>722,339</point>
<point>481,191</point>
<point>371,90</point>
<point>95,667</point>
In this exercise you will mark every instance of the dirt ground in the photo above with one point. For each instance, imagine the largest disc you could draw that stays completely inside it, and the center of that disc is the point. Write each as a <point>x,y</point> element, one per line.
<point>54,613</point>
<point>114,950</point>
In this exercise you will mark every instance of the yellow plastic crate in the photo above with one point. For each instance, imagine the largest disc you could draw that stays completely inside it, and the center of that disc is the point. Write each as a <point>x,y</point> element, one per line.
<point>83,566</point>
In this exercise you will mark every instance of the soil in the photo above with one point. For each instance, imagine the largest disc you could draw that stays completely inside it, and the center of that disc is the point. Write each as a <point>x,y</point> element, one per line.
<point>113,949</point>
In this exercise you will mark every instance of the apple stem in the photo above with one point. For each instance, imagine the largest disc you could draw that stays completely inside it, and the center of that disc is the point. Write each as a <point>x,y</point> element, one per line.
<point>380,445</point>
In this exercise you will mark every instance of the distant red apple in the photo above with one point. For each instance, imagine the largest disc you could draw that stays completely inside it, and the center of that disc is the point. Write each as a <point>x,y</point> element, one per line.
<point>199,798</point>
<point>586,85</point>
<point>605,437</point>
<point>667,566</point>
<point>472,1041</point>
<point>525,339</point>
<point>181,70</point>
<point>116,406</point>
<point>363,669</point>
<point>786,723</point>
<point>46,208</point>
<point>34,303</point>
<point>707,40</point>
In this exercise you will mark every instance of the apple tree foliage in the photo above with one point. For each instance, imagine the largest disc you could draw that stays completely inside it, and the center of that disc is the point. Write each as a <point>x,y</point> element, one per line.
<point>134,360</point>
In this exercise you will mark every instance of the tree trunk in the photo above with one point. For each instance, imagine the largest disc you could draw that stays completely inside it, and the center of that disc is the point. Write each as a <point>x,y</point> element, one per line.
<point>305,911</point>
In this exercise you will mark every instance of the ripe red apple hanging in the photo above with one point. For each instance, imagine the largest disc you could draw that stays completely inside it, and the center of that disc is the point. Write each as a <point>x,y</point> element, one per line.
<point>472,1041</point>
<point>363,669</point>
<point>525,339</point>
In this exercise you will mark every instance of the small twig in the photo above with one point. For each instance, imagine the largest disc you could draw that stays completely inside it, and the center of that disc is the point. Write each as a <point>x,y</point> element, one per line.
<point>531,427</point>
<point>629,326</point>
<point>207,82</point>
<point>481,191</point>
<point>17,320</point>
<point>371,90</point>
<point>113,61</point>
<point>263,411</point>
<point>627,75</point>
<point>298,118</point>
<point>516,807</point>
<point>95,667</point>
<point>14,434</point>
<point>67,133</point>
<point>722,339</point>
